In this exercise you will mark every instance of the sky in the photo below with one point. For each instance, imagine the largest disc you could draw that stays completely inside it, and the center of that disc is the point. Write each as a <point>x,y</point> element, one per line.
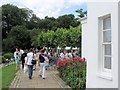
<point>51,8</point>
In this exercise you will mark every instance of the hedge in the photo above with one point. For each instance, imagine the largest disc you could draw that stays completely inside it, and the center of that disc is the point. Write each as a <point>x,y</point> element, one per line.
<point>2,59</point>
<point>73,72</point>
<point>8,55</point>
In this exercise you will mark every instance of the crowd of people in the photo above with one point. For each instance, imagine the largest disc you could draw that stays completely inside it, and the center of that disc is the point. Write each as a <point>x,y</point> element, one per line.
<point>43,58</point>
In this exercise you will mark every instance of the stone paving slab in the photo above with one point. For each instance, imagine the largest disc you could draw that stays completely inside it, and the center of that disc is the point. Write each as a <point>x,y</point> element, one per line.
<point>37,81</point>
<point>52,81</point>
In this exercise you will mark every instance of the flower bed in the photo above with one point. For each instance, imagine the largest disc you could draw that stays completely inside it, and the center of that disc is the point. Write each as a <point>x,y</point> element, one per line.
<point>73,72</point>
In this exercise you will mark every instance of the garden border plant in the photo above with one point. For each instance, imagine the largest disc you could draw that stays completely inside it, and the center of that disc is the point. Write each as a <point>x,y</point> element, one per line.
<point>73,72</point>
<point>6,57</point>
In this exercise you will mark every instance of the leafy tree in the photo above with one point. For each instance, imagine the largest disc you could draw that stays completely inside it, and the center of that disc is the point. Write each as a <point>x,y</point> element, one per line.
<point>61,37</point>
<point>49,23</point>
<point>81,13</point>
<point>75,36</point>
<point>18,37</point>
<point>33,22</point>
<point>39,40</point>
<point>21,28</point>
<point>50,39</point>
<point>53,24</point>
<point>65,21</point>
<point>12,16</point>
<point>33,35</point>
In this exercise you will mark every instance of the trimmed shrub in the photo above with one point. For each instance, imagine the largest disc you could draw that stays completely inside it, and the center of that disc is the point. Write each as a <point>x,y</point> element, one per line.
<point>8,55</point>
<point>73,72</point>
<point>2,59</point>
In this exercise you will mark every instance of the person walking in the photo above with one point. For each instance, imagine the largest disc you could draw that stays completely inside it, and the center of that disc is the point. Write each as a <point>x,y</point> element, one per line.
<point>41,63</point>
<point>62,55</point>
<point>35,59</point>
<point>23,58</point>
<point>17,58</point>
<point>29,63</point>
<point>25,65</point>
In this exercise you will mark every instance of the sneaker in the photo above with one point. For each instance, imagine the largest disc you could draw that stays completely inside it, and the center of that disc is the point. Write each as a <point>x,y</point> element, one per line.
<point>30,77</point>
<point>40,75</point>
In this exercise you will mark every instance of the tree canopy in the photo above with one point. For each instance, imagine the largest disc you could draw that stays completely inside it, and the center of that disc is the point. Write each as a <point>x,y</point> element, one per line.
<point>18,37</point>
<point>22,28</point>
<point>12,16</point>
<point>81,13</point>
<point>61,37</point>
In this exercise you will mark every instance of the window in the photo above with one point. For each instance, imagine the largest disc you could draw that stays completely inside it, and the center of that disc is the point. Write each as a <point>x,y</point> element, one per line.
<point>104,47</point>
<point>106,44</point>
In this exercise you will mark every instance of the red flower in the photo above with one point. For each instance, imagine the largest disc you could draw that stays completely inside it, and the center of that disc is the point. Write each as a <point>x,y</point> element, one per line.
<point>71,63</point>
<point>60,62</point>
<point>64,59</point>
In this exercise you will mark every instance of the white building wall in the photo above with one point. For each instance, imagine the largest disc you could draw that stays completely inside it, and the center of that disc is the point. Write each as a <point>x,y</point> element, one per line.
<point>119,44</point>
<point>90,44</point>
<point>84,40</point>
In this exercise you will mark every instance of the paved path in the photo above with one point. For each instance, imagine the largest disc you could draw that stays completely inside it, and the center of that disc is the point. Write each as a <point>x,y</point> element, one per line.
<point>37,82</point>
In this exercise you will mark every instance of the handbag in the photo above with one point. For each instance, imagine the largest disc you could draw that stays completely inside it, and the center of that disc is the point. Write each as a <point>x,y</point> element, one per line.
<point>33,61</point>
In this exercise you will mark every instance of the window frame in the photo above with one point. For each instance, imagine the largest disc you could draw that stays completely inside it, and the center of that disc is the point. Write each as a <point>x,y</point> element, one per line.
<point>105,43</point>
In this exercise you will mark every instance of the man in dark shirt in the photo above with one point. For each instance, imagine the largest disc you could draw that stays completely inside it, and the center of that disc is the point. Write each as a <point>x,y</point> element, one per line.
<point>41,63</point>
<point>23,58</point>
<point>41,57</point>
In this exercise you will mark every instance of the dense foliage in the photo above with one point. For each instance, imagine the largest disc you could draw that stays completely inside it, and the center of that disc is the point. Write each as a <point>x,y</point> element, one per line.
<point>2,59</point>
<point>23,38</point>
<point>73,72</point>
<point>8,56</point>
<point>81,13</point>
<point>61,37</point>
<point>12,16</point>
<point>18,37</point>
<point>23,29</point>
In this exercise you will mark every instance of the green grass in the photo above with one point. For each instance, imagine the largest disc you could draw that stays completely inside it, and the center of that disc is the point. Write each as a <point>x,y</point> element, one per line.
<point>8,73</point>
<point>0,78</point>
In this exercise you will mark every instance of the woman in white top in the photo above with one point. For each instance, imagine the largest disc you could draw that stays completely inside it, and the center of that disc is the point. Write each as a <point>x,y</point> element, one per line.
<point>30,65</point>
<point>17,58</point>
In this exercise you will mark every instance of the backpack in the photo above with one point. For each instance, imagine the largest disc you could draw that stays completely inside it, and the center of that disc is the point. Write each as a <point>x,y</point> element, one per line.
<point>41,57</point>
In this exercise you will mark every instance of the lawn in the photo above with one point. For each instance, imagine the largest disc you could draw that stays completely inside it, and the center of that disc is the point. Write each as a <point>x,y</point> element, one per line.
<point>8,73</point>
<point>0,78</point>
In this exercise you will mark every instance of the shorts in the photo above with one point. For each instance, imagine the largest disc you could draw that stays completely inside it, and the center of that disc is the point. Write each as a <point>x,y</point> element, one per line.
<point>17,61</point>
